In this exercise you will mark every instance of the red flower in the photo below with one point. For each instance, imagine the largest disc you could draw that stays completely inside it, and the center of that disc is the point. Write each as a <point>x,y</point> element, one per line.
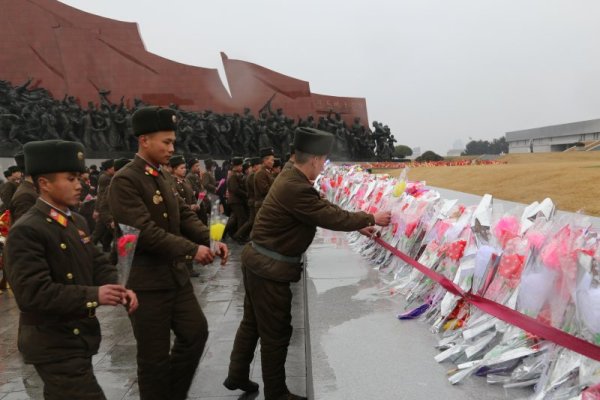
<point>511,266</point>
<point>126,244</point>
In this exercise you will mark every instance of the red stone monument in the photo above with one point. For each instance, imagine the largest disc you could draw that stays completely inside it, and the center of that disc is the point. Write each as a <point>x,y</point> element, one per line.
<point>68,51</point>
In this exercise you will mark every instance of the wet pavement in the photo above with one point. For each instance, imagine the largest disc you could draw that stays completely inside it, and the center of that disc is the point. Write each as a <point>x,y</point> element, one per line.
<point>220,292</point>
<point>357,347</point>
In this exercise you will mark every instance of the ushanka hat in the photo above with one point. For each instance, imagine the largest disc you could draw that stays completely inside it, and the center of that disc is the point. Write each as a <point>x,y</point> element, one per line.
<point>255,161</point>
<point>120,163</point>
<point>153,119</point>
<point>176,161</point>
<point>313,141</point>
<point>49,156</point>
<point>20,160</point>
<point>235,161</point>
<point>107,164</point>
<point>266,151</point>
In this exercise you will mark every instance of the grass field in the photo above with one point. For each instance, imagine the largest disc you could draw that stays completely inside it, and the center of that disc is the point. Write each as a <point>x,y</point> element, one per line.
<point>571,180</point>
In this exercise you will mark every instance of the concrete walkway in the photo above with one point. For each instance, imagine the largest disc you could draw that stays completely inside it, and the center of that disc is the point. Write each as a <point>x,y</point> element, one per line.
<point>221,294</point>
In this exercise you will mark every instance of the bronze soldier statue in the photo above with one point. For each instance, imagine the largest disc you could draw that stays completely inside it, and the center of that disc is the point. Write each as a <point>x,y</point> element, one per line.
<point>171,235</point>
<point>58,276</point>
<point>285,226</point>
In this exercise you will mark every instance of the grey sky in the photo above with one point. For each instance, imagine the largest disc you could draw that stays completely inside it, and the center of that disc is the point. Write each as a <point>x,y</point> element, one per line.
<point>434,70</point>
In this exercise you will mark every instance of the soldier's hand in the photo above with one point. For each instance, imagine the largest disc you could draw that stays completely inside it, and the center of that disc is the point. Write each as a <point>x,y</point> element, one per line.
<point>203,255</point>
<point>223,252</point>
<point>383,218</point>
<point>111,295</point>
<point>370,231</point>
<point>130,301</point>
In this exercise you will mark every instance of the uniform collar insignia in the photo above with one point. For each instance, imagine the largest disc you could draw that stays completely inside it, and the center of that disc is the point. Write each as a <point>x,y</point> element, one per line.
<point>58,217</point>
<point>150,170</point>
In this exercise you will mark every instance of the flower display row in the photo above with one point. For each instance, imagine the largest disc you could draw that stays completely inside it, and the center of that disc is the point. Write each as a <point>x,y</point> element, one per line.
<point>527,263</point>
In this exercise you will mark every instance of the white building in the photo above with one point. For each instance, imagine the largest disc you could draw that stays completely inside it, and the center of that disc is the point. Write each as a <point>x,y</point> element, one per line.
<point>584,135</point>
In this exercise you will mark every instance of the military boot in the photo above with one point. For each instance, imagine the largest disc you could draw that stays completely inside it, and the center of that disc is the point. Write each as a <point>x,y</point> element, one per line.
<point>247,386</point>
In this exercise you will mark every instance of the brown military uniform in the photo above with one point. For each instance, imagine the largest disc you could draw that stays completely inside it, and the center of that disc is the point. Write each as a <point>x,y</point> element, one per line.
<point>55,272</point>
<point>250,193</point>
<point>263,179</point>
<point>141,196</point>
<point>238,199</point>
<point>288,165</point>
<point>209,182</point>
<point>103,231</point>
<point>23,199</point>
<point>284,228</point>
<point>196,183</point>
<point>7,191</point>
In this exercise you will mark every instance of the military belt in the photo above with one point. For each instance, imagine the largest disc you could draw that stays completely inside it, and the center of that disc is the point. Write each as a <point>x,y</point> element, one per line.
<point>275,255</point>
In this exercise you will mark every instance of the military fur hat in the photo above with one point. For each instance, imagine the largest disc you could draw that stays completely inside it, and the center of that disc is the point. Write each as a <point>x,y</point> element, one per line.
<point>153,119</point>
<point>313,141</point>
<point>208,163</point>
<point>192,162</point>
<point>255,161</point>
<point>107,164</point>
<point>235,161</point>
<point>7,174</point>
<point>20,160</point>
<point>277,163</point>
<point>266,151</point>
<point>121,162</point>
<point>176,161</point>
<point>49,156</point>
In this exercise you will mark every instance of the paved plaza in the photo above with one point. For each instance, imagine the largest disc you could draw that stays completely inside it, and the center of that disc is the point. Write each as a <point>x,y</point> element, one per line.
<point>221,294</point>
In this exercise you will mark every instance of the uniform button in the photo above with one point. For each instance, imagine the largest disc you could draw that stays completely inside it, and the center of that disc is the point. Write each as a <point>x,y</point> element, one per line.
<point>95,304</point>
<point>63,246</point>
<point>69,276</point>
<point>158,192</point>
<point>89,304</point>
<point>75,331</point>
<point>49,219</point>
<point>165,215</point>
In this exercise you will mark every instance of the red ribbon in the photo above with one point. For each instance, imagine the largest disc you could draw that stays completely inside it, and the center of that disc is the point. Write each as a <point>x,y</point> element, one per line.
<point>502,312</point>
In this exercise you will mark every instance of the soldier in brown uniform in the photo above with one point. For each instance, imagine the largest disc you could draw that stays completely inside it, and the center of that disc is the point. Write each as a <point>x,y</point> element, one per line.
<point>263,179</point>
<point>284,228</point>
<point>290,162</point>
<point>185,191</point>
<point>8,188</point>
<point>193,175</point>
<point>276,167</point>
<point>25,196</point>
<point>58,276</point>
<point>255,164</point>
<point>140,196</point>
<point>209,182</point>
<point>238,199</point>
<point>103,232</point>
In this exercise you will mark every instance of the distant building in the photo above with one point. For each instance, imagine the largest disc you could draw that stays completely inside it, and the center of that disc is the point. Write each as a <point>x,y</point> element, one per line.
<point>454,152</point>
<point>584,135</point>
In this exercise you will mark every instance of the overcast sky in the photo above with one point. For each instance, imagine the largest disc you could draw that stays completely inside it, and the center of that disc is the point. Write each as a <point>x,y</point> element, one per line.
<point>435,71</point>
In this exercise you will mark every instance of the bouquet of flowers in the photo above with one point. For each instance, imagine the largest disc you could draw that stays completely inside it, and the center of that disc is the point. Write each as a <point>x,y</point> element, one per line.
<point>126,244</point>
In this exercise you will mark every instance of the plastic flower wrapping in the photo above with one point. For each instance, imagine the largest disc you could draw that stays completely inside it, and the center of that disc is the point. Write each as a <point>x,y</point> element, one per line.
<point>126,244</point>
<point>217,223</point>
<point>526,259</point>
